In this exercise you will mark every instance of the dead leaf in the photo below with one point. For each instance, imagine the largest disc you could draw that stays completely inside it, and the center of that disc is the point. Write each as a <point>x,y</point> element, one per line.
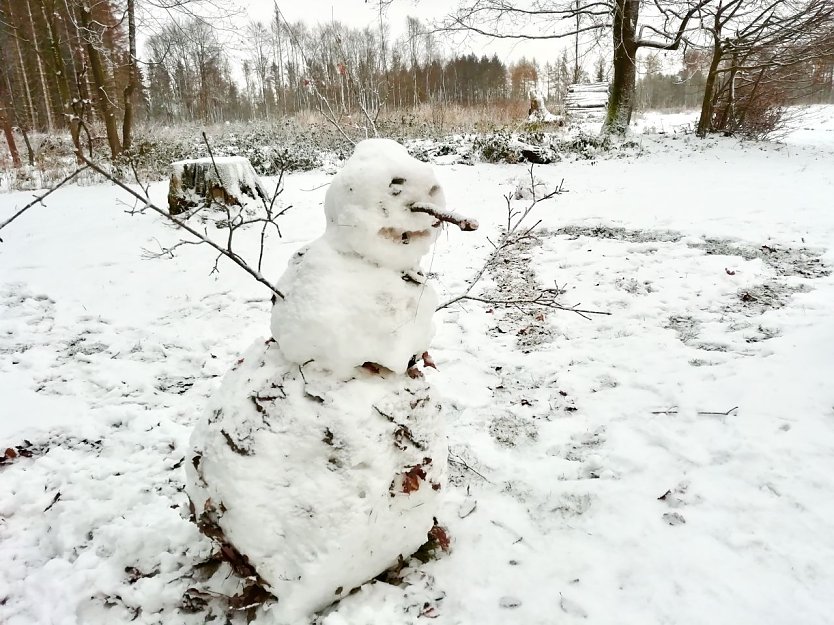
<point>439,535</point>
<point>730,272</point>
<point>412,479</point>
<point>428,361</point>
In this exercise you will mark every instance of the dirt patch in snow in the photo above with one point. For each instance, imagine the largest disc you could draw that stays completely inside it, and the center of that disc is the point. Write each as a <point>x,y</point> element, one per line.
<point>515,278</point>
<point>620,234</point>
<point>785,261</point>
<point>686,326</point>
<point>760,298</point>
<point>511,430</point>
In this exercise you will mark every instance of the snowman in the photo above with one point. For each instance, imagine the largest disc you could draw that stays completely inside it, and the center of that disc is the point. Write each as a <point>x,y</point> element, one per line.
<point>323,457</point>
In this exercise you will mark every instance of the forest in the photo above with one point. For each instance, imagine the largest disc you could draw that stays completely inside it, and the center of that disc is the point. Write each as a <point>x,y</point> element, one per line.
<point>69,65</point>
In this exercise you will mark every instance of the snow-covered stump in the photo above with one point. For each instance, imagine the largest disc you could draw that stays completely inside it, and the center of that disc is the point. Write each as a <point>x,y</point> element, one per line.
<point>226,180</point>
<point>538,110</point>
<point>324,456</point>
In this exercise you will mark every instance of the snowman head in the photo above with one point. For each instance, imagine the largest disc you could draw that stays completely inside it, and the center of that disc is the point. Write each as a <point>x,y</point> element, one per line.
<point>370,205</point>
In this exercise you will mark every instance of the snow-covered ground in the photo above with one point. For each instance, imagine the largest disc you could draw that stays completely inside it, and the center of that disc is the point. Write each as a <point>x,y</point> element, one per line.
<point>670,462</point>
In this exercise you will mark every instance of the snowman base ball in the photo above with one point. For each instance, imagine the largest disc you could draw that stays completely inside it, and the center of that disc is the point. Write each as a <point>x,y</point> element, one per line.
<point>319,484</point>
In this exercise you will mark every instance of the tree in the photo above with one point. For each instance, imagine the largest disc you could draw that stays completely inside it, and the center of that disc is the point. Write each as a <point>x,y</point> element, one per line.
<point>758,48</point>
<point>523,77</point>
<point>94,31</point>
<point>600,69</point>
<point>666,28</point>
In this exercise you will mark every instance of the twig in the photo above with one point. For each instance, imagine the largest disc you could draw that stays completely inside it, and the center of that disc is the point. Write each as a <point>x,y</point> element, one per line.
<point>464,223</point>
<point>700,412</point>
<point>461,462</point>
<point>539,300</point>
<point>39,199</point>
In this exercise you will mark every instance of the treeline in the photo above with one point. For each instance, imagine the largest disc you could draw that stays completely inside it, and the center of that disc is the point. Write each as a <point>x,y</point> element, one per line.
<point>74,64</point>
<point>293,67</point>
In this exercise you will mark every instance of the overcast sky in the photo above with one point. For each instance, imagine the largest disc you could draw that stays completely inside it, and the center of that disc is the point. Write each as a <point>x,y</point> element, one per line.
<point>362,13</point>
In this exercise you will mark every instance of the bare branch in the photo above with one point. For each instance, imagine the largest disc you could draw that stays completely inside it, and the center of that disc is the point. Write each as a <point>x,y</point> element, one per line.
<point>512,236</point>
<point>227,253</point>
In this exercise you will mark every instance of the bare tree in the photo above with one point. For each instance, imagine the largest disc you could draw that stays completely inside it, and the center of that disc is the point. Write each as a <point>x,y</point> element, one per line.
<point>761,54</point>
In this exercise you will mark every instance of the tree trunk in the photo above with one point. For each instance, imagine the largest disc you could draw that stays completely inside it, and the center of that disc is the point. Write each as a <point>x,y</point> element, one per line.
<point>127,122</point>
<point>621,97</point>
<point>24,79</point>
<point>61,73</point>
<point>7,130</point>
<point>99,80</point>
<point>30,152</point>
<point>705,121</point>
<point>47,102</point>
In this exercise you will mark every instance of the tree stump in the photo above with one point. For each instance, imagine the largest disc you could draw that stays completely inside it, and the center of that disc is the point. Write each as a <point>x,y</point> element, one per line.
<point>538,111</point>
<point>226,180</point>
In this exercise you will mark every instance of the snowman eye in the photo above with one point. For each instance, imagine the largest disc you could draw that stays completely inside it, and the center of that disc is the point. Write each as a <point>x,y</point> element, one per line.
<point>395,185</point>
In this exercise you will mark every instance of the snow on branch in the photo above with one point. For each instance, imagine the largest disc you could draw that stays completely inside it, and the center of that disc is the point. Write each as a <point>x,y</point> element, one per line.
<point>464,223</point>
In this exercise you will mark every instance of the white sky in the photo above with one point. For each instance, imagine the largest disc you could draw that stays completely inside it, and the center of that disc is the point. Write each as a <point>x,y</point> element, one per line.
<point>360,13</point>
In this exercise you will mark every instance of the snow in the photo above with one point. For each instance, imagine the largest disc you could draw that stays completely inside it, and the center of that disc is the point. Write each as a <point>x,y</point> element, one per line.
<point>565,434</point>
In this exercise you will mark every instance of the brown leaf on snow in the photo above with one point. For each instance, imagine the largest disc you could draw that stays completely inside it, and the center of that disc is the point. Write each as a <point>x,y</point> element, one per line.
<point>730,272</point>
<point>412,479</point>
<point>439,535</point>
<point>428,361</point>
<point>11,453</point>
